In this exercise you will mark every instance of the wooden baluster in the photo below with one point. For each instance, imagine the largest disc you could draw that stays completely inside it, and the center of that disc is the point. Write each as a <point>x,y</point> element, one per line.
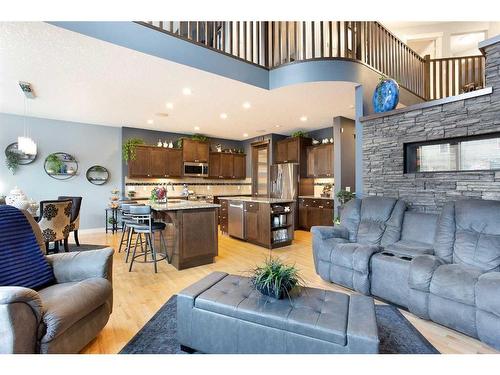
<point>296,40</point>
<point>473,71</point>
<point>287,43</point>
<point>224,36</point>
<point>279,44</point>
<point>330,37</point>
<point>304,44</point>
<point>257,40</point>
<point>467,77</point>
<point>313,41</point>
<point>251,41</point>
<point>321,40</point>
<point>481,72</point>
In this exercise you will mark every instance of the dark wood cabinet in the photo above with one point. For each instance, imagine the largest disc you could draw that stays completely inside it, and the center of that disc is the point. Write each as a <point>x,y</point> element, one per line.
<point>252,222</point>
<point>155,162</point>
<point>239,166</point>
<point>139,167</point>
<point>225,165</point>
<point>293,150</point>
<point>313,212</point>
<point>195,151</point>
<point>320,161</point>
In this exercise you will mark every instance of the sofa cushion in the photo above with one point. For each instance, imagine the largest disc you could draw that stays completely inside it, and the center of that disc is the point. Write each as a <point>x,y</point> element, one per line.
<point>419,227</point>
<point>487,297</point>
<point>375,212</point>
<point>315,313</point>
<point>456,282</point>
<point>409,248</point>
<point>353,256</point>
<point>22,262</point>
<point>67,303</point>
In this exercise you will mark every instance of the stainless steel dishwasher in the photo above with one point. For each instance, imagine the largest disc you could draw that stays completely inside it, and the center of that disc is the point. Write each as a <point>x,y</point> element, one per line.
<point>236,216</point>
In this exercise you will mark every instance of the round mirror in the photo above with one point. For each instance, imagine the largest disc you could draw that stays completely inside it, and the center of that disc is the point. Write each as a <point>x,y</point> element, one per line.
<point>97,175</point>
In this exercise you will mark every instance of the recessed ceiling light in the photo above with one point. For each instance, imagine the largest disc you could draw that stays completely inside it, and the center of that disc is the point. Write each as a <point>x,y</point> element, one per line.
<point>150,122</point>
<point>223,116</point>
<point>278,126</point>
<point>196,128</point>
<point>186,91</point>
<point>245,135</point>
<point>303,118</point>
<point>351,106</point>
<point>246,105</point>
<point>169,105</point>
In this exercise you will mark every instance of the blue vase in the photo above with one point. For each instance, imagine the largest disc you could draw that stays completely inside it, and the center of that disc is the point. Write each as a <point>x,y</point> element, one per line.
<point>386,95</point>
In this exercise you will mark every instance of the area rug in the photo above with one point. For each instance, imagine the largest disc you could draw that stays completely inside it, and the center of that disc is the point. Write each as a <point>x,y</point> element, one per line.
<point>397,335</point>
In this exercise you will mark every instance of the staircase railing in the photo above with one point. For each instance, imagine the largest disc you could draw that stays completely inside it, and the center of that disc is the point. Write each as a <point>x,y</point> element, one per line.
<point>272,44</point>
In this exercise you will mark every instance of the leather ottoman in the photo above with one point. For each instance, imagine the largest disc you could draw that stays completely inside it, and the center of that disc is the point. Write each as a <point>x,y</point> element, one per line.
<point>223,313</point>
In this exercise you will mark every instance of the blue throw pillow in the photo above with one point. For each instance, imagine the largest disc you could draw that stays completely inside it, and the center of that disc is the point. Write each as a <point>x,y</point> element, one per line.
<point>22,262</point>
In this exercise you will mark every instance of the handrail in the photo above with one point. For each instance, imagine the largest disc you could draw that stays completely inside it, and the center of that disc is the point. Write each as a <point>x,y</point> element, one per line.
<point>270,44</point>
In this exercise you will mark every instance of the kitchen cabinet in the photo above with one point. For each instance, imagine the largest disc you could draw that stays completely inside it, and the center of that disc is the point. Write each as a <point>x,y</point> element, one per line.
<point>314,212</point>
<point>252,222</point>
<point>293,150</point>
<point>223,215</point>
<point>320,161</point>
<point>225,165</point>
<point>195,151</point>
<point>155,162</point>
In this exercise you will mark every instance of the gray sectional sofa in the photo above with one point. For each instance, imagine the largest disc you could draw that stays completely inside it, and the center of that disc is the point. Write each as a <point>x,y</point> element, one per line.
<point>443,267</point>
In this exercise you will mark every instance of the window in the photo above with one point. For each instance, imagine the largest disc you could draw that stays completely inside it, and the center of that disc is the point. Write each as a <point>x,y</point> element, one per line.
<point>475,153</point>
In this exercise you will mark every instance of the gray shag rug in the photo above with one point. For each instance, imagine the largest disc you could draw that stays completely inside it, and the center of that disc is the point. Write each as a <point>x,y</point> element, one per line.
<point>397,335</point>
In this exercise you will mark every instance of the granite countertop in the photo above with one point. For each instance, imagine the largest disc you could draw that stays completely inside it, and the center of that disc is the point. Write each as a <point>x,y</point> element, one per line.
<point>258,199</point>
<point>182,205</point>
<point>314,197</point>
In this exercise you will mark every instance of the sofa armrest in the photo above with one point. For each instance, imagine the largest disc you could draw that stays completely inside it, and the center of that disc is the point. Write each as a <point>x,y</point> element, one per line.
<point>487,289</point>
<point>81,265</point>
<point>422,269</point>
<point>326,232</point>
<point>20,318</point>
<point>361,257</point>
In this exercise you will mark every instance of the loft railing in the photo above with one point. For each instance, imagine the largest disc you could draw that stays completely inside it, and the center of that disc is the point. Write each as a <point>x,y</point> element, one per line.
<point>273,44</point>
<point>454,75</point>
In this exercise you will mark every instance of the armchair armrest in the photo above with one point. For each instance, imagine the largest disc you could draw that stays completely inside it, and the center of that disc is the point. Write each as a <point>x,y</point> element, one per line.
<point>326,232</point>
<point>421,271</point>
<point>81,265</point>
<point>20,317</point>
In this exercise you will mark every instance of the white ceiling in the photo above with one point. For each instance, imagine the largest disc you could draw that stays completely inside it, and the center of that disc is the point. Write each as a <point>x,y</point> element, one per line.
<point>81,79</point>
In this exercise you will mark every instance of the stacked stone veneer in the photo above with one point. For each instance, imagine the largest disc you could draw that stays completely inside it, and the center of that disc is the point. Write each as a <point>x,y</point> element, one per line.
<point>384,137</point>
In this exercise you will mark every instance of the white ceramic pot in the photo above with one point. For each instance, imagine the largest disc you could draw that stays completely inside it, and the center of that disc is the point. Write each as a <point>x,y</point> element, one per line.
<point>17,199</point>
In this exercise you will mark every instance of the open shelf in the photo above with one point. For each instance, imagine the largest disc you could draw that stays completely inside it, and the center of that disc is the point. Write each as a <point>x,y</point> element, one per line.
<point>281,227</point>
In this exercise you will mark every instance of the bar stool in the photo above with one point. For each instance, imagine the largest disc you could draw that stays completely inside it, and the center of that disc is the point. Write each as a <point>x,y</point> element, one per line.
<point>144,225</point>
<point>126,236</point>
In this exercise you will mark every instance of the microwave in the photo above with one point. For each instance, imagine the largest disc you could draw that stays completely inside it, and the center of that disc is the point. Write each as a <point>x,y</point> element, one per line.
<point>196,169</point>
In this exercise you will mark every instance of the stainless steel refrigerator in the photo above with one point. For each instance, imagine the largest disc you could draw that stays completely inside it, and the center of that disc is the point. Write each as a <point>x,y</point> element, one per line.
<point>284,184</point>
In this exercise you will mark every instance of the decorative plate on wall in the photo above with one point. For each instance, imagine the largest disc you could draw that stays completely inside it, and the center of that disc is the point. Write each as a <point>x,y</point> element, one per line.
<point>23,159</point>
<point>61,165</point>
<point>97,175</point>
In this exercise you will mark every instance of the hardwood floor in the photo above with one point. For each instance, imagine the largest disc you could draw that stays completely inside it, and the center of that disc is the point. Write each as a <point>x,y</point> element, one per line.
<point>140,293</point>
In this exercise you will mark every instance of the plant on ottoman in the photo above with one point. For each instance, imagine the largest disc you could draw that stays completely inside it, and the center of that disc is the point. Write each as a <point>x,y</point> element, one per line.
<point>276,279</point>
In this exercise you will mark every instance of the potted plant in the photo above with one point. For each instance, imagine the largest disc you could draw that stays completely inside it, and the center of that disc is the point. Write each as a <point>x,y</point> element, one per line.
<point>276,279</point>
<point>199,137</point>
<point>54,164</point>
<point>343,196</point>
<point>12,161</point>
<point>158,194</point>
<point>299,134</point>
<point>128,148</point>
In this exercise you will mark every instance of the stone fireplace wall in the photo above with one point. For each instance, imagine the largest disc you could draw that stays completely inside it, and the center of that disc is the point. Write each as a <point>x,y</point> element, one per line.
<point>384,136</point>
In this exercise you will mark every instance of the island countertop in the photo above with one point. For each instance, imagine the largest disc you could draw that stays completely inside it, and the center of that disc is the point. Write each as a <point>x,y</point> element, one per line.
<point>258,199</point>
<point>182,205</point>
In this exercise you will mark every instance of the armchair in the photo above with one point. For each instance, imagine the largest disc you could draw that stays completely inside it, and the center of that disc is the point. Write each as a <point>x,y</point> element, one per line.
<point>66,314</point>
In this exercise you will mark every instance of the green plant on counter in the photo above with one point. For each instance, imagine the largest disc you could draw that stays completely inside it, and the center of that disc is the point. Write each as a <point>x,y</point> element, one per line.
<point>299,133</point>
<point>344,196</point>
<point>128,148</point>
<point>276,279</point>
<point>12,160</point>
<point>54,163</point>
<point>199,137</point>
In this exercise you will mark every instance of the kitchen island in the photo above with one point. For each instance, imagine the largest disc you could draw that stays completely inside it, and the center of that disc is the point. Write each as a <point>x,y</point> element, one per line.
<point>267,222</point>
<point>191,231</point>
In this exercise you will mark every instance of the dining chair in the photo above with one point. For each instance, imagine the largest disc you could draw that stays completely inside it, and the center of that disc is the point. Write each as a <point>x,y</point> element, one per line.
<point>75,215</point>
<point>55,222</point>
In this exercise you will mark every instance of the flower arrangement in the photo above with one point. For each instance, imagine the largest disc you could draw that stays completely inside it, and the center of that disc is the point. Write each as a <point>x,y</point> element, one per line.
<point>159,194</point>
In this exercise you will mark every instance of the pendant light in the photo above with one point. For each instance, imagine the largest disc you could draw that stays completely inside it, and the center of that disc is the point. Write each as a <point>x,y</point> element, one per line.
<point>24,143</point>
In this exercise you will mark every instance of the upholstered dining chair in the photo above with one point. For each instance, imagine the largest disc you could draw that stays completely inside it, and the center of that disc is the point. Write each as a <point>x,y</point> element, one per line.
<point>75,215</point>
<point>55,222</point>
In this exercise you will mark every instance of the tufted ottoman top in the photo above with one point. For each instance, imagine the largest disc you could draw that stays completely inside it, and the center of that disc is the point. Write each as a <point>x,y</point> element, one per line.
<point>313,312</point>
